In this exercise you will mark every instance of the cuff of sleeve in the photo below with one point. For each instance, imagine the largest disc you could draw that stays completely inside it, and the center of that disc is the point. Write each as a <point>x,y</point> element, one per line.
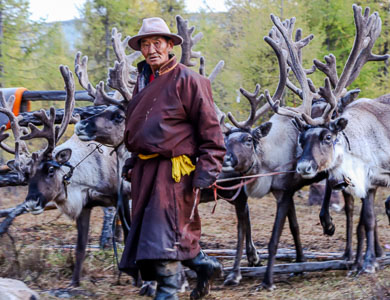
<point>203,179</point>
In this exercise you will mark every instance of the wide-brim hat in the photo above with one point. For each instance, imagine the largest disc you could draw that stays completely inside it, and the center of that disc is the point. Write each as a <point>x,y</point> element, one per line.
<point>151,27</point>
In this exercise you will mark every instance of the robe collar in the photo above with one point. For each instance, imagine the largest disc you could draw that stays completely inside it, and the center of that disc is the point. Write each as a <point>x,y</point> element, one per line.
<point>145,71</point>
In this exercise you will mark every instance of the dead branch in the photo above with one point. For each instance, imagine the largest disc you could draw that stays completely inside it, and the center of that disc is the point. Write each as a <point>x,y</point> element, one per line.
<point>18,210</point>
<point>11,179</point>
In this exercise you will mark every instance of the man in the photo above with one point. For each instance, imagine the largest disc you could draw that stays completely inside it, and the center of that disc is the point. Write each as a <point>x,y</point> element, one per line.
<point>177,147</point>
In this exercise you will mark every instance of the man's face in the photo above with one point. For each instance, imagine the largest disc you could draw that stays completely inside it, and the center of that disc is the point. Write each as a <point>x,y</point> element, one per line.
<point>156,49</point>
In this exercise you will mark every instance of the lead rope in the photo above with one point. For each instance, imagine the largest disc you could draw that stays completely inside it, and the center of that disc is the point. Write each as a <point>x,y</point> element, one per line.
<point>119,207</point>
<point>238,186</point>
<point>66,178</point>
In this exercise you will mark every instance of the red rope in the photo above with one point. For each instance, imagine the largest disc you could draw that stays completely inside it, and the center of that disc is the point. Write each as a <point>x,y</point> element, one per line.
<point>243,182</point>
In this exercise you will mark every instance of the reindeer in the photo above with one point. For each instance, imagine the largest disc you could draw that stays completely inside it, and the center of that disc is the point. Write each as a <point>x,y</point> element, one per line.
<point>108,128</point>
<point>353,147</point>
<point>273,146</point>
<point>52,176</point>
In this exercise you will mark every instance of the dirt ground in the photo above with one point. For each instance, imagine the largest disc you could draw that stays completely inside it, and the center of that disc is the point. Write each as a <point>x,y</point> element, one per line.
<point>32,253</point>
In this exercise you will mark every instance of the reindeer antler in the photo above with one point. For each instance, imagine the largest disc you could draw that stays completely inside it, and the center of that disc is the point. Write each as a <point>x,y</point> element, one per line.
<point>294,58</point>
<point>99,95</point>
<point>368,28</point>
<point>254,100</point>
<point>120,75</point>
<point>188,41</point>
<point>49,132</point>
<point>217,69</point>
<point>80,68</point>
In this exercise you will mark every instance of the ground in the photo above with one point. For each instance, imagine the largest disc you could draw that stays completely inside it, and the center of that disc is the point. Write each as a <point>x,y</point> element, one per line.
<point>36,252</point>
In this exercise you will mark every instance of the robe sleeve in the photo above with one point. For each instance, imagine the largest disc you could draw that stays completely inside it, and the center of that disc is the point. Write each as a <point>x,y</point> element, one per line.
<point>210,143</point>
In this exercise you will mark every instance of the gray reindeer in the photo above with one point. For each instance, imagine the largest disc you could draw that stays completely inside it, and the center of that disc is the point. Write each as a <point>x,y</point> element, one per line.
<point>51,176</point>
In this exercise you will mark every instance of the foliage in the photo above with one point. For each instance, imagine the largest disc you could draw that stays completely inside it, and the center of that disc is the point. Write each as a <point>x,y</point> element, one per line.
<point>31,51</point>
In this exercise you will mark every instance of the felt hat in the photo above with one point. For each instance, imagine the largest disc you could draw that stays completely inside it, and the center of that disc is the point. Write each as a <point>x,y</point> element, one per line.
<point>151,27</point>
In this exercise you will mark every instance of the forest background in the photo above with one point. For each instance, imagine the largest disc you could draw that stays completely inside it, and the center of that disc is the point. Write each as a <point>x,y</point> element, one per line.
<point>31,51</point>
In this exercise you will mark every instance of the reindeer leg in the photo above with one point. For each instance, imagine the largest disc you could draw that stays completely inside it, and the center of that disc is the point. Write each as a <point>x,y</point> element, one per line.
<point>369,224</point>
<point>106,235</point>
<point>325,218</point>
<point>294,228</point>
<point>360,239</point>
<point>251,252</point>
<point>378,247</point>
<point>82,240</point>
<point>234,276</point>
<point>283,206</point>
<point>124,216</point>
<point>348,208</point>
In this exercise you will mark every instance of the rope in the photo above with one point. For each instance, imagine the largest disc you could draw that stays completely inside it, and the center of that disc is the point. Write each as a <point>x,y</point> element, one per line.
<point>238,186</point>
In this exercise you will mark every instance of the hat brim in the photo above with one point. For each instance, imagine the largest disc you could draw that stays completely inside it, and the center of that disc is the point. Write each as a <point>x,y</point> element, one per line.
<point>134,41</point>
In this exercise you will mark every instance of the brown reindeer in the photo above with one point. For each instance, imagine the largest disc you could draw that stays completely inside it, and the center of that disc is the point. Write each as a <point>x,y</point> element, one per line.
<point>273,146</point>
<point>108,128</point>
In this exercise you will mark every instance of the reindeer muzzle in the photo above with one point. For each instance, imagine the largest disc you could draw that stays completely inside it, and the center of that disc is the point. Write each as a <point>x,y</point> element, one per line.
<point>34,206</point>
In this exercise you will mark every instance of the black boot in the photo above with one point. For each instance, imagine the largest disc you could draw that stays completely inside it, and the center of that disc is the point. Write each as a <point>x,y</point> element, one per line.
<point>168,279</point>
<point>206,268</point>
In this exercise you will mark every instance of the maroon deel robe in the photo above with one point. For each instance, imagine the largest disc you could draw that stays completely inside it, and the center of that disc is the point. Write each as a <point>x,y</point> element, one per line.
<point>173,115</point>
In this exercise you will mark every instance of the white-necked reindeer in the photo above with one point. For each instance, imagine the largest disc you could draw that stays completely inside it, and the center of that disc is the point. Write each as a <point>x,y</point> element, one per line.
<point>273,146</point>
<point>354,148</point>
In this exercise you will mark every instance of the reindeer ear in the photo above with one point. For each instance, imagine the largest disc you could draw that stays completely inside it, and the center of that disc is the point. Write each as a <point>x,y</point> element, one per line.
<point>262,130</point>
<point>338,125</point>
<point>63,156</point>
<point>11,164</point>
<point>349,97</point>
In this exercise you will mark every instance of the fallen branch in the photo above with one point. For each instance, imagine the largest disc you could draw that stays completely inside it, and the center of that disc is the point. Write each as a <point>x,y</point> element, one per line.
<point>11,179</point>
<point>84,112</point>
<point>304,267</point>
<point>287,254</point>
<point>18,210</point>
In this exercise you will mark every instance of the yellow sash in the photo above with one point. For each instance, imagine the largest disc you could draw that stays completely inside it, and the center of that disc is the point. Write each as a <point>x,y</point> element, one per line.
<point>181,165</point>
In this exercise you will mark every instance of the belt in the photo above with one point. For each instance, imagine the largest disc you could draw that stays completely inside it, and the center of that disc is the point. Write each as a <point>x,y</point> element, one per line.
<point>181,165</point>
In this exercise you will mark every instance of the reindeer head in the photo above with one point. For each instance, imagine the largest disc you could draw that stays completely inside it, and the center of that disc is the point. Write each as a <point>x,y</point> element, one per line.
<point>108,127</point>
<point>244,149</point>
<point>322,138</point>
<point>47,182</point>
<point>319,147</point>
<point>46,175</point>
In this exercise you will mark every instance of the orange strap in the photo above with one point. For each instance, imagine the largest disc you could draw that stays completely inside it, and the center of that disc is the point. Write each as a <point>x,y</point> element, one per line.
<point>18,101</point>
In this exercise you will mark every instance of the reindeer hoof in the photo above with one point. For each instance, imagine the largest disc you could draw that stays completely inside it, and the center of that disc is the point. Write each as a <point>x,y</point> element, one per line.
<point>370,268</point>
<point>74,283</point>
<point>347,256</point>
<point>265,286</point>
<point>255,262</point>
<point>148,288</point>
<point>329,229</point>
<point>232,279</point>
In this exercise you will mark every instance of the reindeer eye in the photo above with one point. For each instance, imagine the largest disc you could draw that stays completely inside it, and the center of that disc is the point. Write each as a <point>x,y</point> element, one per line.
<point>328,138</point>
<point>119,118</point>
<point>50,170</point>
<point>249,141</point>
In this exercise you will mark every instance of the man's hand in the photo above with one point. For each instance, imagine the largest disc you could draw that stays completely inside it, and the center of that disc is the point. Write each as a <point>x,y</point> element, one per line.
<point>126,173</point>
